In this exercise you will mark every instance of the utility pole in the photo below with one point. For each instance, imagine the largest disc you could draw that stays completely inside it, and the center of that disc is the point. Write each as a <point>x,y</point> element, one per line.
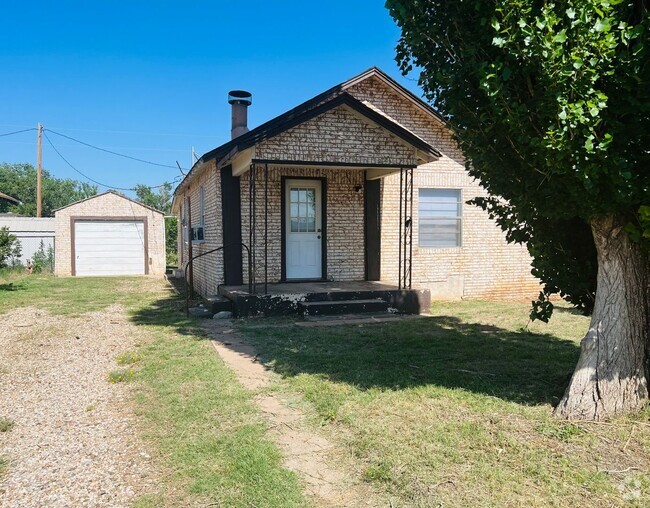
<point>39,170</point>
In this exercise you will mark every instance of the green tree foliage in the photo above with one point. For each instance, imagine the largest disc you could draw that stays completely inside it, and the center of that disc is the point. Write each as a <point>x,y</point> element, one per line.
<point>171,240</point>
<point>19,181</point>
<point>10,248</point>
<point>550,104</point>
<point>160,199</point>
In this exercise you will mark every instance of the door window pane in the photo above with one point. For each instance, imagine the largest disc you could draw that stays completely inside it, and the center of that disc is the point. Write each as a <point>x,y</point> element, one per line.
<point>302,209</point>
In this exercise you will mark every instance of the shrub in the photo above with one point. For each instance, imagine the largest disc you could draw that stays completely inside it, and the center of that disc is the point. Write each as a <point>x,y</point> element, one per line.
<point>171,240</point>
<point>43,260</point>
<point>10,248</point>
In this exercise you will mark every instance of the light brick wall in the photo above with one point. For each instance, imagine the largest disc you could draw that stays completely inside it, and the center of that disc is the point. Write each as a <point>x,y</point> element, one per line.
<point>345,216</point>
<point>208,270</point>
<point>109,205</point>
<point>338,135</point>
<point>485,266</point>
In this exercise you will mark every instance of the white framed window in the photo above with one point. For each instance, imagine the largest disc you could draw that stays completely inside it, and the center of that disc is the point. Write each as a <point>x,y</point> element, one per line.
<point>198,231</point>
<point>440,218</point>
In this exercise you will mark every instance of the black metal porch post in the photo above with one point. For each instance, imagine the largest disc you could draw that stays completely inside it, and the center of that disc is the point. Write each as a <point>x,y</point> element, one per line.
<point>266,228</point>
<point>410,227</point>
<point>252,212</point>
<point>401,197</point>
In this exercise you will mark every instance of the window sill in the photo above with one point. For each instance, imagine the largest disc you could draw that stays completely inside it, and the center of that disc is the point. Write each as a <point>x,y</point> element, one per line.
<point>198,242</point>
<point>456,247</point>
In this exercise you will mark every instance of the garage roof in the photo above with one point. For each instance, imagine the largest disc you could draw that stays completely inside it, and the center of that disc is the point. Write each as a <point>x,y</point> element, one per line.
<point>110,192</point>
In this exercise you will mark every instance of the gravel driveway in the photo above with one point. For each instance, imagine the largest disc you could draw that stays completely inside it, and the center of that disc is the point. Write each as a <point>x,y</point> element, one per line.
<point>74,442</point>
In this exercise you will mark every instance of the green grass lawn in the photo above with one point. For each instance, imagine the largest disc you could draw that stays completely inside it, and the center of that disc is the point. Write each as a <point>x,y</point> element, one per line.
<point>455,410</point>
<point>207,439</point>
<point>452,410</point>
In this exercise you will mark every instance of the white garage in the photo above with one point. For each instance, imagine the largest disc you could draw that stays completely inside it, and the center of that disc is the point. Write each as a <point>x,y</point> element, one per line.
<point>109,247</point>
<point>109,234</point>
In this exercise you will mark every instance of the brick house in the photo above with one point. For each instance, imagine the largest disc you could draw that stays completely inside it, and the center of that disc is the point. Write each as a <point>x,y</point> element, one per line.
<point>360,183</point>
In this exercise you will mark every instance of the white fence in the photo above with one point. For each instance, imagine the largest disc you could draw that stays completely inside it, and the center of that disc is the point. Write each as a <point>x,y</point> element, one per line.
<point>31,231</point>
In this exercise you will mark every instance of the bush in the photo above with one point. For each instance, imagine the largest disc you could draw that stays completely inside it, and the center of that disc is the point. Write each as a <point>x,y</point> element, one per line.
<point>43,261</point>
<point>171,239</point>
<point>10,248</point>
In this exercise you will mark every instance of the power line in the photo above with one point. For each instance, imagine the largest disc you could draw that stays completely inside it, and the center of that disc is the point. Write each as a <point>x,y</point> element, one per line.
<point>93,180</point>
<point>145,133</point>
<point>112,152</point>
<point>139,148</point>
<point>17,132</point>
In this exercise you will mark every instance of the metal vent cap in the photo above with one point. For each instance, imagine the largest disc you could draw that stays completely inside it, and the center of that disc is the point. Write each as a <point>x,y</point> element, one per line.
<point>240,97</point>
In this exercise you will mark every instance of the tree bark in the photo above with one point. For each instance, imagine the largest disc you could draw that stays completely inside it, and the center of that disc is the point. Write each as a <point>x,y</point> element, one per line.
<point>612,372</point>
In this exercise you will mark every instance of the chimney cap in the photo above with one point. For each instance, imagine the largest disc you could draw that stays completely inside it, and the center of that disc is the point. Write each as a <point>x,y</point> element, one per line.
<point>240,97</point>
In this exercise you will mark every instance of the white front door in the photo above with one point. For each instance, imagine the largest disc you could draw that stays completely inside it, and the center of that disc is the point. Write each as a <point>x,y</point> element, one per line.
<point>303,229</point>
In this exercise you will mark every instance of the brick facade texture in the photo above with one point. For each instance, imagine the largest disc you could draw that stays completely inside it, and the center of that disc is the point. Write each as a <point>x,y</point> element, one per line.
<point>208,270</point>
<point>109,205</point>
<point>484,266</point>
<point>338,135</point>
<point>345,216</point>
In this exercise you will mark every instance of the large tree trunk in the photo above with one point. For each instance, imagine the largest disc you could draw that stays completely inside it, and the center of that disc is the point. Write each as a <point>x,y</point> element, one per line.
<point>612,373</point>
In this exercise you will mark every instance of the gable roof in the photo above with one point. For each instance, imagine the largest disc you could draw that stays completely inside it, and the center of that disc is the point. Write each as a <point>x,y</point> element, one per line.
<point>326,100</point>
<point>300,115</point>
<point>109,192</point>
<point>405,92</point>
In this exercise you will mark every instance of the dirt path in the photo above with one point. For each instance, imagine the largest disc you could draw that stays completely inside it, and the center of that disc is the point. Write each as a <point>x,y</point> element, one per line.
<point>73,442</point>
<point>315,459</point>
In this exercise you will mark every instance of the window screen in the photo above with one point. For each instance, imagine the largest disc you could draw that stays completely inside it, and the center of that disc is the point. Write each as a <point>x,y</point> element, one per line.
<point>439,217</point>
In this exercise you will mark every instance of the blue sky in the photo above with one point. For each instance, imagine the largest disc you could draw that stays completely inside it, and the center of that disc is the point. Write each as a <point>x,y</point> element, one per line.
<point>150,79</point>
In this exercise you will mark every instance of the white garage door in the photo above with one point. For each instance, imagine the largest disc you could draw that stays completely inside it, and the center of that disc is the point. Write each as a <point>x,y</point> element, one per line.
<point>109,248</point>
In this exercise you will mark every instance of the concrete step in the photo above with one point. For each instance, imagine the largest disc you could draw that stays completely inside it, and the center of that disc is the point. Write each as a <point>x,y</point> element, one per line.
<point>218,303</point>
<point>336,296</point>
<point>323,308</point>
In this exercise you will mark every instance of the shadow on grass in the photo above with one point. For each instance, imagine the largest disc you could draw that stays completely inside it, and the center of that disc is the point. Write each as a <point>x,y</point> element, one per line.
<point>11,286</point>
<point>168,311</point>
<point>443,351</point>
<point>521,367</point>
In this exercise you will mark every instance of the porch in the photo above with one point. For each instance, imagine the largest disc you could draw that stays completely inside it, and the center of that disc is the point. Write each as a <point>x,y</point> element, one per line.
<point>320,298</point>
<point>309,222</point>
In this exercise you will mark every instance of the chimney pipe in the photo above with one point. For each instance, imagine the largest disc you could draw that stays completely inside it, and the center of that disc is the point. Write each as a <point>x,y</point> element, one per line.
<point>240,100</point>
